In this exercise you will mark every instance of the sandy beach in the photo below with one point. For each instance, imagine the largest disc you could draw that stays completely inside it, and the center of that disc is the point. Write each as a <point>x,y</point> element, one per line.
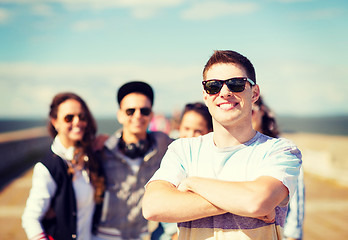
<point>323,155</point>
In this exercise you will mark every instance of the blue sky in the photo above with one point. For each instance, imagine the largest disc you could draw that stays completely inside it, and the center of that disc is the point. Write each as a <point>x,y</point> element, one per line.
<point>299,49</point>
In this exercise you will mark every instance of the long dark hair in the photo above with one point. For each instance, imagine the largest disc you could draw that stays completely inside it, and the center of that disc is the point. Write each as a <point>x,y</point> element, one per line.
<point>269,124</point>
<point>84,154</point>
<point>91,128</point>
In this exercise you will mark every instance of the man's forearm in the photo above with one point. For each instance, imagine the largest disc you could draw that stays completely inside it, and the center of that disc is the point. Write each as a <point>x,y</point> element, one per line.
<point>252,199</point>
<point>163,202</point>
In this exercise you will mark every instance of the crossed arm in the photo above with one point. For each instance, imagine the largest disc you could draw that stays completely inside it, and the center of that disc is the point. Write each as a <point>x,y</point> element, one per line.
<point>197,198</point>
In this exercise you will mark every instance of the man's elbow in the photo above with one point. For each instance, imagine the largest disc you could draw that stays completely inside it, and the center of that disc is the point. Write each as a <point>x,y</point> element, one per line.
<point>256,206</point>
<point>148,208</point>
<point>267,197</point>
<point>261,206</point>
<point>260,209</point>
<point>148,215</point>
<point>154,207</point>
<point>151,207</point>
<point>149,211</point>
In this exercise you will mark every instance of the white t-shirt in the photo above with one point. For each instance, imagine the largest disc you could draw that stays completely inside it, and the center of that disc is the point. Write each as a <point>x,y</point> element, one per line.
<point>261,156</point>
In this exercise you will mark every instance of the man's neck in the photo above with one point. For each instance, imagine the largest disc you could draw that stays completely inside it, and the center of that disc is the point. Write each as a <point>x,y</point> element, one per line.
<point>232,136</point>
<point>129,137</point>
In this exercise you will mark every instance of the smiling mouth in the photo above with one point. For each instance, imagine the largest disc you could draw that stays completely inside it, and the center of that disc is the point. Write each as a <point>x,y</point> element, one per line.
<point>227,106</point>
<point>76,130</point>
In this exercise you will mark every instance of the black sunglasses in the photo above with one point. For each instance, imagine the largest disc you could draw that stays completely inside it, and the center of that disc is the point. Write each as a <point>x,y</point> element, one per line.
<point>143,111</point>
<point>70,117</point>
<point>236,84</point>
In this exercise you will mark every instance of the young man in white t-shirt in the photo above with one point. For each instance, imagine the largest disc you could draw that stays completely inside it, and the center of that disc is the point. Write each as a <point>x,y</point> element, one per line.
<point>233,183</point>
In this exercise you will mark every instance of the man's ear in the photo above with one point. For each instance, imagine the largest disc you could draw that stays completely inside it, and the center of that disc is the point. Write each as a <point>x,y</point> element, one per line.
<point>119,116</point>
<point>256,93</point>
<point>205,97</point>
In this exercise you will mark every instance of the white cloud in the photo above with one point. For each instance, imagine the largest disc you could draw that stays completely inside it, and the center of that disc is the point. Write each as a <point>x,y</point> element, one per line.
<point>289,87</point>
<point>88,25</point>
<point>4,15</point>
<point>304,88</point>
<point>317,14</point>
<point>144,12</point>
<point>138,8</point>
<point>324,13</point>
<point>155,3</point>
<point>213,9</point>
<point>42,10</point>
<point>27,88</point>
<point>293,1</point>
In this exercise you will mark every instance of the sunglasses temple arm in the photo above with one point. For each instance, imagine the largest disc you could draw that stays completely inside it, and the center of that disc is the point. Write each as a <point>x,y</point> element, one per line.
<point>251,81</point>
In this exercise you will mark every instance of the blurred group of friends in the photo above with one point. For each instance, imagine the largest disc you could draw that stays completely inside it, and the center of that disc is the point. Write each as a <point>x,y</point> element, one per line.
<point>222,173</point>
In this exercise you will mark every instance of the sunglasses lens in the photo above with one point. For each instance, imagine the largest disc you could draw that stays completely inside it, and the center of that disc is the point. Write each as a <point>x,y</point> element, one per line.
<point>68,118</point>
<point>82,117</point>
<point>130,111</point>
<point>213,87</point>
<point>145,111</point>
<point>236,85</point>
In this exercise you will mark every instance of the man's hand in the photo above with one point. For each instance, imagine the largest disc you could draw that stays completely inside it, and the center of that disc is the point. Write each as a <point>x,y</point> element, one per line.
<point>269,218</point>
<point>184,186</point>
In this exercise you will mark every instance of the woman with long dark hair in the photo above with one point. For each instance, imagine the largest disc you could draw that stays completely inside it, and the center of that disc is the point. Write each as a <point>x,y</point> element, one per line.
<point>67,182</point>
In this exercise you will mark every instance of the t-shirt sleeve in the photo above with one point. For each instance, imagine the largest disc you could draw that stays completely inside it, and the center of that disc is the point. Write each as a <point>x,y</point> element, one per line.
<point>283,162</point>
<point>172,168</point>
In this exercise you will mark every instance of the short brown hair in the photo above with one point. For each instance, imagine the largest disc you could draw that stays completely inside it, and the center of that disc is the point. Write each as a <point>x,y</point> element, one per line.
<point>229,56</point>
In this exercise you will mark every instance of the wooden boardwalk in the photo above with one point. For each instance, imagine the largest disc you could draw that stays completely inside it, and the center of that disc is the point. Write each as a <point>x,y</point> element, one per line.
<point>326,209</point>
